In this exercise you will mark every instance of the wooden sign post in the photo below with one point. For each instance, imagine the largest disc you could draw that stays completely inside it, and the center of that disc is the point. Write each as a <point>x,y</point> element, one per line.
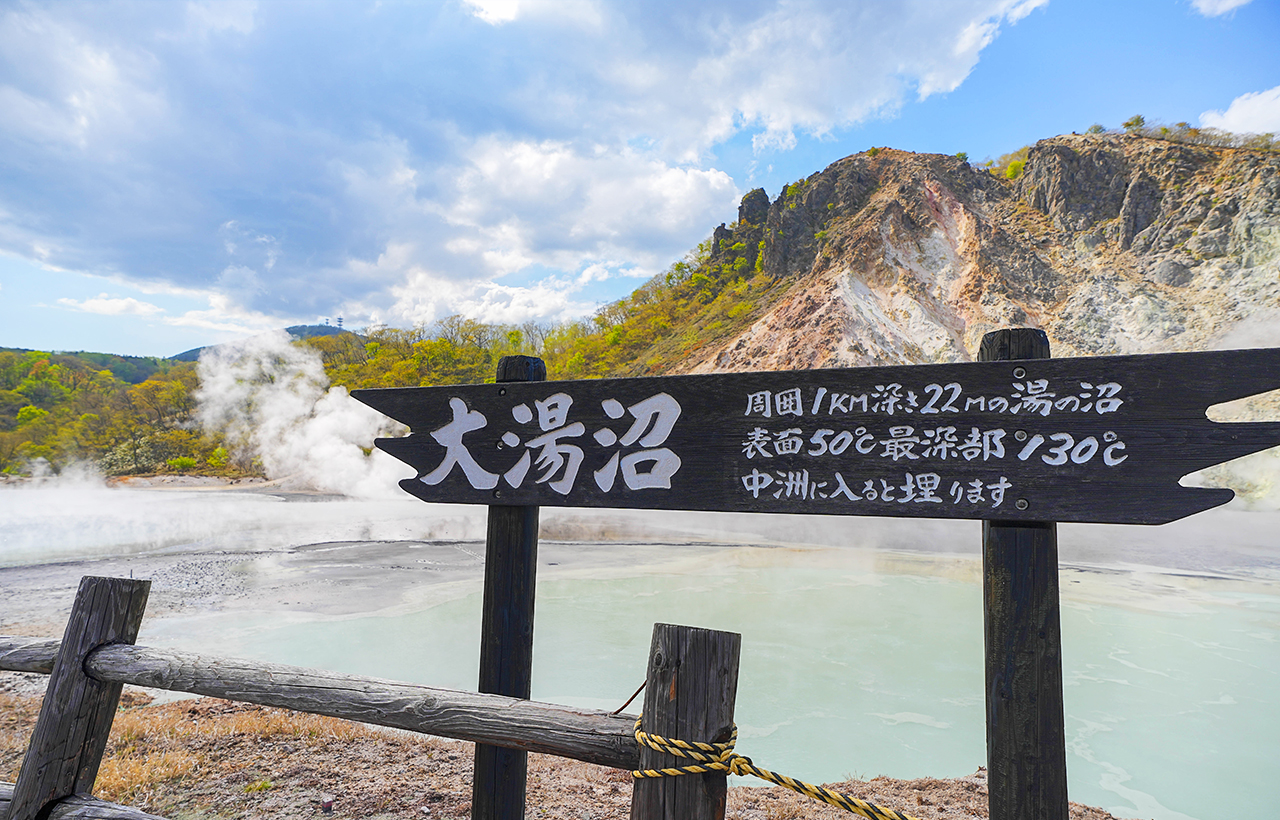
<point>1026,740</point>
<point>506,631</point>
<point>1017,440</point>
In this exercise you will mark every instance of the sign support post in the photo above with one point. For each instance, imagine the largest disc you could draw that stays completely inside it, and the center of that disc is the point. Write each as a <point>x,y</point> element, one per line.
<point>1026,745</point>
<point>506,632</point>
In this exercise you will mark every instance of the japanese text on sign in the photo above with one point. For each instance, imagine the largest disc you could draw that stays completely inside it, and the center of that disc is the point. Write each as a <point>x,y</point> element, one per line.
<point>555,450</point>
<point>1032,397</point>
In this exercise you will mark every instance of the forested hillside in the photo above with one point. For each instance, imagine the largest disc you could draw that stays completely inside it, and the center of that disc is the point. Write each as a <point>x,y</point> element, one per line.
<point>127,414</point>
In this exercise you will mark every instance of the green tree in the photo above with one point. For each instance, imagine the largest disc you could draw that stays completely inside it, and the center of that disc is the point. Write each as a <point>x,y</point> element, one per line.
<point>30,414</point>
<point>1134,123</point>
<point>1001,166</point>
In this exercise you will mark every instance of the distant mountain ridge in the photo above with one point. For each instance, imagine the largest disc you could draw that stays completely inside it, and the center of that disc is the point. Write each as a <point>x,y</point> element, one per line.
<point>130,369</point>
<point>137,369</point>
<point>296,331</point>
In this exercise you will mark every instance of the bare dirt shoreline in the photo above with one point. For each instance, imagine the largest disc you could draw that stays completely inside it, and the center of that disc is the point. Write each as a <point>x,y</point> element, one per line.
<point>206,758</point>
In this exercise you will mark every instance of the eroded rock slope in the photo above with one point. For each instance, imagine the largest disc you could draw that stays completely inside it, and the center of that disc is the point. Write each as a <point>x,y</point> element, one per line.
<point>1112,244</point>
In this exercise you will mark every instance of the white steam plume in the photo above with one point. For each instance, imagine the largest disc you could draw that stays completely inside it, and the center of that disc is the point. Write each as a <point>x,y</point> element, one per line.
<point>1256,477</point>
<point>273,400</point>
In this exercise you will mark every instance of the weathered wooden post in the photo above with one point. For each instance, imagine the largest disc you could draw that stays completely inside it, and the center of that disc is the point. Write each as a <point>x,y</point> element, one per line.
<point>70,736</point>
<point>691,686</point>
<point>1026,744</point>
<point>506,632</point>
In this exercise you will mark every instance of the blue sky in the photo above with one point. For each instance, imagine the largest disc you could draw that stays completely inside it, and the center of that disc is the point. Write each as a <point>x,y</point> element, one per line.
<point>177,174</point>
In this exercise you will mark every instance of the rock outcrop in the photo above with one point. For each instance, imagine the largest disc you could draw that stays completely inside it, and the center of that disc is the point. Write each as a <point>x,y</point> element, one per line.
<point>1112,244</point>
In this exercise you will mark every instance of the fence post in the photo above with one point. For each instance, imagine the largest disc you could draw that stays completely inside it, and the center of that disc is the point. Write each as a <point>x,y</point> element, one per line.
<point>506,631</point>
<point>691,686</point>
<point>1026,744</point>
<point>70,736</point>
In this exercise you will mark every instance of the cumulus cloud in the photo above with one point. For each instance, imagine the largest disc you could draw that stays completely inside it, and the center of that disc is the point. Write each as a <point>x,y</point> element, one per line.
<point>713,70</point>
<point>475,144</point>
<point>1215,8</point>
<point>425,297</point>
<point>1255,113</point>
<point>559,205</point>
<point>105,305</point>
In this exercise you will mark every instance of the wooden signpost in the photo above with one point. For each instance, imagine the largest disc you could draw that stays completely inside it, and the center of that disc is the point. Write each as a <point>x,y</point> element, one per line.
<point>1017,440</point>
<point>1094,439</point>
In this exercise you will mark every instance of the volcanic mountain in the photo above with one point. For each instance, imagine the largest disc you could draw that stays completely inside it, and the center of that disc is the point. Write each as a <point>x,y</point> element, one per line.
<point>1110,243</point>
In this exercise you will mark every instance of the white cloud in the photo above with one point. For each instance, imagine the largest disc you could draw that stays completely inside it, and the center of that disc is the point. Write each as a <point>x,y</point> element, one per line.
<point>778,68</point>
<point>224,15</point>
<point>497,12</point>
<point>1021,9</point>
<point>84,94</point>
<point>566,206</point>
<point>1254,113</point>
<point>502,304</point>
<point>408,179</point>
<point>153,288</point>
<point>424,297</point>
<point>226,316</point>
<point>105,305</point>
<point>1214,8</point>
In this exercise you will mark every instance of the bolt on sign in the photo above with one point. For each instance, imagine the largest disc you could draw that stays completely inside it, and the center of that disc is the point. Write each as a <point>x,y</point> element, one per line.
<point>1101,439</point>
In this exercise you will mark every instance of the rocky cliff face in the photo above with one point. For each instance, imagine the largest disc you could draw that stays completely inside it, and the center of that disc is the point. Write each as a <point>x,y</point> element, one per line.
<point>1112,244</point>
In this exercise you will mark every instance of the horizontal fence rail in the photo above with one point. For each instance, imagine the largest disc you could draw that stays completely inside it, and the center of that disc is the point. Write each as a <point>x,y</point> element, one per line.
<point>581,734</point>
<point>80,807</point>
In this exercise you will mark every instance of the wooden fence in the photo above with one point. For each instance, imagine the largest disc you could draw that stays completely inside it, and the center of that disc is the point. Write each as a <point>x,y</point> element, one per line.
<point>96,657</point>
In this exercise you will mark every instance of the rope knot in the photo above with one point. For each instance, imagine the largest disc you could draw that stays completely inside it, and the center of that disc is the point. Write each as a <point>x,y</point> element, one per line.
<point>707,757</point>
<point>720,757</point>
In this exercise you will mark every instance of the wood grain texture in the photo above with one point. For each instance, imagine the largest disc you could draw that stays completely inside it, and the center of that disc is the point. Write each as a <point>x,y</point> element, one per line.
<point>81,808</point>
<point>506,630</point>
<point>581,734</point>
<point>1014,343</point>
<point>1158,415</point>
<point>28,654</point>
<point>521,369</point>
<point>691,687</point>
<point>70,735</point>
<point>1026,744</point>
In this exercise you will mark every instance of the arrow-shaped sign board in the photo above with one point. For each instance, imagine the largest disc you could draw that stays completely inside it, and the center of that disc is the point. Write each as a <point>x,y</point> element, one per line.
<point>1101,439</point>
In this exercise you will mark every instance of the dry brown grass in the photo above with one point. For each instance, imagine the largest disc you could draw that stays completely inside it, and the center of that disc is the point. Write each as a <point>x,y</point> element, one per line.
<point>211,759</point>
<point>157,746</point>
<point>17,717</point>
<point>186,720</point>
<point>128,773</point>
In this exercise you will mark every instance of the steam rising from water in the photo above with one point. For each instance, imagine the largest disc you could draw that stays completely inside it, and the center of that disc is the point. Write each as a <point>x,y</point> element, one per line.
<point>1255,478</point>
<point>273,400</point>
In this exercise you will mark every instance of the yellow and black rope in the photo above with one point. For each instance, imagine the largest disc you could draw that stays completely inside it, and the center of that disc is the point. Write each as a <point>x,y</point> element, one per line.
<point>720,757</point>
